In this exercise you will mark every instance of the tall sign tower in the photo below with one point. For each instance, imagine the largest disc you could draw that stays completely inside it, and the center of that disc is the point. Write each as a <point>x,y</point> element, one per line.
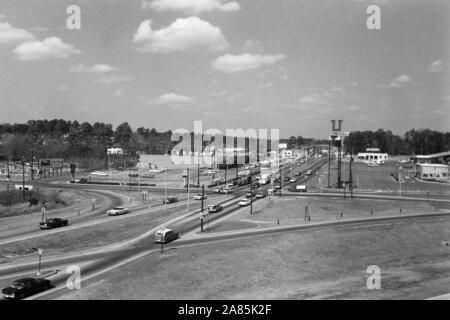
<point>337,136</point>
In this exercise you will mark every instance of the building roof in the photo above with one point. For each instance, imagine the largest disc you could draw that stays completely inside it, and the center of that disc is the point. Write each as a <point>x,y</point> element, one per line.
<point>438,165</point>
<point>431,156</point>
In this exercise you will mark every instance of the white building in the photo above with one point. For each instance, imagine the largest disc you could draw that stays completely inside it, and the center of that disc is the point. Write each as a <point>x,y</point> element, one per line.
<point>372,154</point>
<point>434,172</point>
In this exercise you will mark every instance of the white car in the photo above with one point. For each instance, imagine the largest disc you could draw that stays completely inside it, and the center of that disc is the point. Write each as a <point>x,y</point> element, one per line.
<point>99,173</point>
<point>118,211</point>
<point>244,202</point>
<point>199,196</point>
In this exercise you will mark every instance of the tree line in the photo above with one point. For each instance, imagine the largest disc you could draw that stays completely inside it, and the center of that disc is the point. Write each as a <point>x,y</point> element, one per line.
<point>414,142</point>
<point>59,138</point>
<point>70,139</point>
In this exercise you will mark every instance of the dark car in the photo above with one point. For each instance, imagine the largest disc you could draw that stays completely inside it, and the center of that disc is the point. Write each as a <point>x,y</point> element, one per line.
<point>54,223</point>
<point>213,208</point>
<point>26,287</point>
<point>298,174</point>
<point>287,178</point>
<point>256,185</point>
<point>170,199</point>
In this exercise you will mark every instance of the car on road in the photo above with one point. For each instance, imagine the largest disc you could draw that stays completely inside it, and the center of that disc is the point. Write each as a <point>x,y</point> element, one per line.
<point>256,185</point>
<point>300,188</point>
<point>147,176</point>
<point>116,211</point>
<point>308,172</point>
<point>200,196</point>
<point>133,175</point>
<point>277,186</point>
<point>26,287</point>
<point>250,194</point>
<point>293,180</point>
<point>99,173</point>
<point>261,194</point>
<point>218,190</point>
<point>53,223</point>
<point>170,199</point>
<point>244,202</point>
<point>227,190</point>
<point>213,208</point>
<point>298,174</point>
<point>165,235</point>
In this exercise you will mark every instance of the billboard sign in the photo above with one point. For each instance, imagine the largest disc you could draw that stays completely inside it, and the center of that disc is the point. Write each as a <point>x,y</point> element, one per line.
<point>45,163</point>
<point>57,163</point>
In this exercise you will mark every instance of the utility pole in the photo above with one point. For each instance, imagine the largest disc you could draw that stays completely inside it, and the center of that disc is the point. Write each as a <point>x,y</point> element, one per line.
<point>8,177</point>
<point>198,169</point>
<point>339,165</point>
<point>32,168</point>
<point>201,213</point>
<point>251,194</point>
<point>350,173</point>
<point>281,178</point>
<point>188,178</point>
<point>23,178</point>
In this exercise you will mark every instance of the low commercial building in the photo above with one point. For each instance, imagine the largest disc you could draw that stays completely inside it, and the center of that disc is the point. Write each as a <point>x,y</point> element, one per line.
<point>372,154</point>
<point>432,172</point>
<point>442,158</point>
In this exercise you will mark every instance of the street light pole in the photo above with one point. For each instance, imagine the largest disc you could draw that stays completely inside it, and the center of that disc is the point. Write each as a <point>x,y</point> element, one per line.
<point>8,176</point>
<point>350,173</point>
<point>32,162</point>
<point>251,194</point>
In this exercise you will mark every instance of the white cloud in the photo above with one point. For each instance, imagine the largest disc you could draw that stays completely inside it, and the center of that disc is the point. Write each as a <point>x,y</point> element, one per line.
<point>96,68</point>
<point>63,88</point>
<point>191,6</point>
<point>436,66</point>
<point>234,63</point>
<point>173,99</point>
<point>399,81</point>
<point>113,79</point>
<point>11,35</point>
<point>52,47</point>
<point>182,34</point>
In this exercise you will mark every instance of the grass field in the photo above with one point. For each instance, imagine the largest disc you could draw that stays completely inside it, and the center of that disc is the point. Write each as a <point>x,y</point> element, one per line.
<point>323,264</point>
<point>322,209</point>
<point>376,179</point>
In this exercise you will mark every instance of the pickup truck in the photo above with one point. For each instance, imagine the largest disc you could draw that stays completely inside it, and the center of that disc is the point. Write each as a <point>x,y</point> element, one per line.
<point>54,223</point>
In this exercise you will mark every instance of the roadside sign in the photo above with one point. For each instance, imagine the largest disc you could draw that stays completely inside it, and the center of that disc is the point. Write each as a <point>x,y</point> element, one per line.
<point>57,163</point>
<point>45,163</point>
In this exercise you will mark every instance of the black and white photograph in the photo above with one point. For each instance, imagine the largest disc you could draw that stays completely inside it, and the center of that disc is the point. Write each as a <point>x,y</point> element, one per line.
<point>241,151</point>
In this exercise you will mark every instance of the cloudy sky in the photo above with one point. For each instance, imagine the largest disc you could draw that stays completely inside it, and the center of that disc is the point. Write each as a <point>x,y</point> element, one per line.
<point>292,65</point>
